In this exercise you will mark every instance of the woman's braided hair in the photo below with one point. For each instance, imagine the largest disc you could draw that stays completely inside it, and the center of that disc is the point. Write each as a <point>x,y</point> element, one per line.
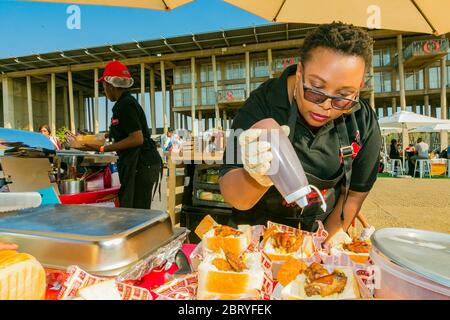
<point>341,37</point>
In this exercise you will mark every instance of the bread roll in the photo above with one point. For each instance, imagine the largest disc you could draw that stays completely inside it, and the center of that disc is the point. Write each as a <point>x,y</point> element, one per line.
<point>22,277</point>
<point>230,285</point>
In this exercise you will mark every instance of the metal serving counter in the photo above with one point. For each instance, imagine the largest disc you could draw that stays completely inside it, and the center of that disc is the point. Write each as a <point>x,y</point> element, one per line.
<point>104,241</point>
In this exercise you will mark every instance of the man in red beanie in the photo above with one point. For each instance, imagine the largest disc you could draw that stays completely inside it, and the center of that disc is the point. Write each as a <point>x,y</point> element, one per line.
<point>139,164</point>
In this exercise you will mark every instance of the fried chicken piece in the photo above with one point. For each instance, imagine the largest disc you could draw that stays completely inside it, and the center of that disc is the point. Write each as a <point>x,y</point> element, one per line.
<point>269,233</point>
<point>225,231</point>
<point>327,285</point>
<point>287,241</point>
<point>222,264</point>
<point>236,262</point>
<point>357,246</point>
<point>315,271</point>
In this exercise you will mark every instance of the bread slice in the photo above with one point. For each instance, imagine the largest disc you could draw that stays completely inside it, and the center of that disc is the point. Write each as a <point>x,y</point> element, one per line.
<point>229,285</point>
<point>233,243</point>
<point>296,289</point>
<point>22,277</point>
<point>205,225</point>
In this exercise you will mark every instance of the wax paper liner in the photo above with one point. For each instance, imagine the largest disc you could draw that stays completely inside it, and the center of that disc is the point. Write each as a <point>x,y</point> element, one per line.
<point>162,259</point>
<point>185,288</point>
<point>361,276</point>
<point>78,279</point>
<point>197,255</point>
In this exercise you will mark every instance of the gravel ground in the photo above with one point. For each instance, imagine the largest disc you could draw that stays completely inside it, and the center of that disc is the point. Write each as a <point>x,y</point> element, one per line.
<point>409,203</point>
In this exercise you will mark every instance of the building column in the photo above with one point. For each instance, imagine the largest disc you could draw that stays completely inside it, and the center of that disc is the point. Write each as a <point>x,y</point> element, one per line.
<point>81,116</point>
<point>176,123</point>
<point>216,103</point>
<point>152,99</point>
<point>66,107</point>
<point>401,74</point>
<point>95,116</point>
<point>414,106</point>
<point>49,101</point>
<point>225,123</point>
<point>433,110</point>
<point>200,121</point>
<point>30,104</point>
<point>426,105</point>
<point>185,122</point>
<point>444,134</point>
<point>206,122</point>
<point>193,96</point>
<point>394,105</point>
<point>247,73</point>
<point>8,103</point>
<point>372,84</point>
<point>164,97</point>
<point>143,86</point>
<point>71,103</point>
<point>171,107</point>
<point>53,104</point>
<point>269,63</point>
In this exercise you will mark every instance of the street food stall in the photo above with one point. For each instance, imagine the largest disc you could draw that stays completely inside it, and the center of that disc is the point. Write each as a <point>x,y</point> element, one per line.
<point>29,162</point>
<point>83,252</point>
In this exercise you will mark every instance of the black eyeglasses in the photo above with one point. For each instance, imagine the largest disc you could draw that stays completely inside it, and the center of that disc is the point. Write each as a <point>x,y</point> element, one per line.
<point>318,97</point>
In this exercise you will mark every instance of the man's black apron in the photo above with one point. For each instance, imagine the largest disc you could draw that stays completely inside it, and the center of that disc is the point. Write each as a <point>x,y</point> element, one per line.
<point>273,207</point>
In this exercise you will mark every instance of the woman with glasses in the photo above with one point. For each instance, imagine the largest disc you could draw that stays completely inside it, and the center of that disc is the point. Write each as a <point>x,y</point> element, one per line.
<point>334,133</point>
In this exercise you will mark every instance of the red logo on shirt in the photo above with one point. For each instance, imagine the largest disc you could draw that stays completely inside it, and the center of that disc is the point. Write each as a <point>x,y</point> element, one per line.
<point>114,121</point>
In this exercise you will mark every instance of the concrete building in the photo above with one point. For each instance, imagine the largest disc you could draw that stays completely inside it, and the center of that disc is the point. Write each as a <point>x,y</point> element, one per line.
<point>204,78</point>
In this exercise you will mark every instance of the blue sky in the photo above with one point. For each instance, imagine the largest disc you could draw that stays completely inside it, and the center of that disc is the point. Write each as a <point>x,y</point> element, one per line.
<point>41,27</point>
<point>30,27</point>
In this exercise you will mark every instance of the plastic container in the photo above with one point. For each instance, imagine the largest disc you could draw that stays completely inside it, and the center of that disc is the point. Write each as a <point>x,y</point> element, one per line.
<point>396,282</point>
<point>286,170</point>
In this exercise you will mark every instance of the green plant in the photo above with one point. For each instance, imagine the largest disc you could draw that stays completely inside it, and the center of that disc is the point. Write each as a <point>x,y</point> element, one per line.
<point>60,133</point>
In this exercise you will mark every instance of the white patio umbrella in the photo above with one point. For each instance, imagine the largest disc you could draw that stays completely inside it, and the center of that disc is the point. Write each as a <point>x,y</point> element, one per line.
<point>407,120</point>
<point>428,16</point>
<point>145,4</point>
<point>433,128</point>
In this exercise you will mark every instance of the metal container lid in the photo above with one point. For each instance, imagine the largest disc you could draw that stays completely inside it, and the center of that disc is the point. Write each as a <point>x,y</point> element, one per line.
<point>423,252</point>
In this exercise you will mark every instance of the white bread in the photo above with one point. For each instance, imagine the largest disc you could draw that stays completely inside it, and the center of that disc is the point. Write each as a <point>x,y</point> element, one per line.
<point>228,285</point>
<point>22,277</point>
<point>296,289</point>
<point>233,244</point>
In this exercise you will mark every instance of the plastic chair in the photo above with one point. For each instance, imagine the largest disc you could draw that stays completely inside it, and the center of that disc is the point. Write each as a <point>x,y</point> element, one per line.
<point>424,167</point>
<point>396,167</point>
<point>448,168</point>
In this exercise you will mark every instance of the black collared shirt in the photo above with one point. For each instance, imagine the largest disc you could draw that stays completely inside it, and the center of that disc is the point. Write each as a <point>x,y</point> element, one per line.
<point>128,116</point>
<point>318,152</point>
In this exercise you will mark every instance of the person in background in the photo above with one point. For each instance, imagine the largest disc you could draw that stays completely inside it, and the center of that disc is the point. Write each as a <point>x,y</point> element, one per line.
<point>393,152</point>
<point>421,150</point>
<point>211,147</point>
<point>139,164</point>
<point>45,130</point>
<point>168,141</point>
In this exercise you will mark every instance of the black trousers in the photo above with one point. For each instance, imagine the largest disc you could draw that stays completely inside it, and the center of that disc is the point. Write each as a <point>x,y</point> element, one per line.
<point>137,182</point>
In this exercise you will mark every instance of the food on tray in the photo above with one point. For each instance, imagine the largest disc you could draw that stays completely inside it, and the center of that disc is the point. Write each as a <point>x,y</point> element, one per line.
<point>217,237</point>
<point>105,290</point>
<point>357,250</point>
<point>319,282</point>
<point>22,277</point>
<point>210,196</point>
<point>280,245</point>
<point>290,270</point>
<point>227,275</point>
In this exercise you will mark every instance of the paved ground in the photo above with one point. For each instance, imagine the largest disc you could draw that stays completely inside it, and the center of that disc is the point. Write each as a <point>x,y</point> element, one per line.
<point>410,203</point>
<point>396,202</point>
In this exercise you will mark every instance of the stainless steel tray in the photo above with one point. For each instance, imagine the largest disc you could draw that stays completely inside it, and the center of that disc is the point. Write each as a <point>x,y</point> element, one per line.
<point>103,241</point>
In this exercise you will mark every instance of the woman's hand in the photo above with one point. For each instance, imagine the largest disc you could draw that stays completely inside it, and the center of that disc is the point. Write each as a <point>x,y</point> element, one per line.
<point>256,155</point>
<point>7,246</point>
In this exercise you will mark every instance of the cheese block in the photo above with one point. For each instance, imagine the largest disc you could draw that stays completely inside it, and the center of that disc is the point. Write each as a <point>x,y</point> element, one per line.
<point>296,289</point>
<point>230,285</point>
<point>22,277</point>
